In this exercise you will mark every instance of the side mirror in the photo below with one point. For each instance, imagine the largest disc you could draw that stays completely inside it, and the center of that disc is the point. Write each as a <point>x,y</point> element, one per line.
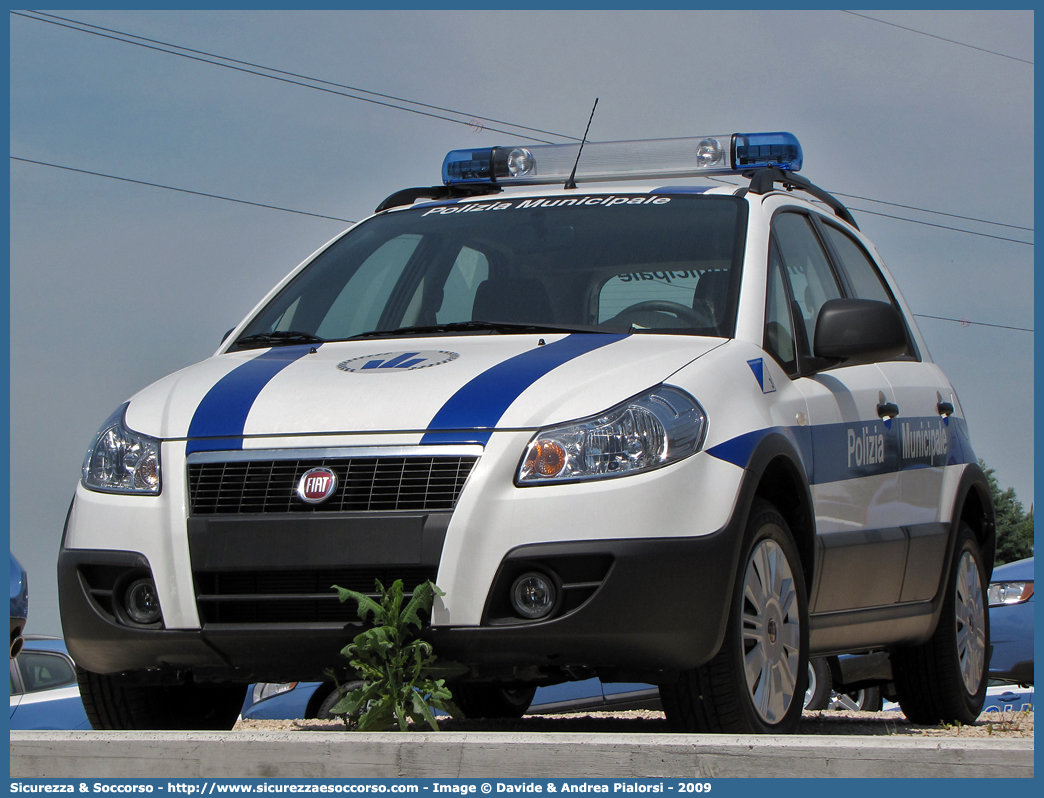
<point>861,329</point>
<point>225,336</point>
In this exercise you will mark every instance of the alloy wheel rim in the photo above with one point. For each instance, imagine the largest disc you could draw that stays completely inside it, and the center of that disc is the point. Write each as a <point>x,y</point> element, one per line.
<point>970,617</point>
<point>849,701</point>
<point>771,631</point>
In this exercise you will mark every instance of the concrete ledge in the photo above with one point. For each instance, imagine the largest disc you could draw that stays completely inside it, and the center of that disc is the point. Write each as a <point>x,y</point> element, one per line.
<point>506,755</point>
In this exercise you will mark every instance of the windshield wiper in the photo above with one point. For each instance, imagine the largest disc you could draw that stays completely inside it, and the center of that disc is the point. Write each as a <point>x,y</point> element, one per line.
<point>489,326</point>
<point>277,338</point>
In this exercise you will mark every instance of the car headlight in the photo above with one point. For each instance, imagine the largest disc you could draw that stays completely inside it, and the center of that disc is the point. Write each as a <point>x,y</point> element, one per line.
<point>651,430</point>
<point>265,690</point>
<point>121,461</point>
<point>1001,593</point>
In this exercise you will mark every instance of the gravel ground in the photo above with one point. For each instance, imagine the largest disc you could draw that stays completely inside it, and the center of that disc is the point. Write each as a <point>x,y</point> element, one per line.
<point>991,724</point>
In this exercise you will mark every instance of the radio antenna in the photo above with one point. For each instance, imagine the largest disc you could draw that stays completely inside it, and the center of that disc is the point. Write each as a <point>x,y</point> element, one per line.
<point>571,182</point>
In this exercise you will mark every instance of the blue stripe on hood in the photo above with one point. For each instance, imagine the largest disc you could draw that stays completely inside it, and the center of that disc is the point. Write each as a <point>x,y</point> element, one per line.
<point>221,416</point>
<point>479,404</point>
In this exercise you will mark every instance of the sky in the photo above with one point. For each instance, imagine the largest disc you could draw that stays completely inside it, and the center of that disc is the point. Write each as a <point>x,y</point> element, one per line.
<point>115,284</point>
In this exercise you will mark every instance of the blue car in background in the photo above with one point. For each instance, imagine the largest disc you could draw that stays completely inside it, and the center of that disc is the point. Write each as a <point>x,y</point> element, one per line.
<point>44,694</point>
<point>314,699</point>
<point>1008,698</point>
<point>1011,622</point>
<point>19,604</point>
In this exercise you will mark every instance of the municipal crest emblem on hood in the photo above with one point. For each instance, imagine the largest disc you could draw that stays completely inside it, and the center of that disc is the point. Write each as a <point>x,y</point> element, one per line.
<point>390,362</point>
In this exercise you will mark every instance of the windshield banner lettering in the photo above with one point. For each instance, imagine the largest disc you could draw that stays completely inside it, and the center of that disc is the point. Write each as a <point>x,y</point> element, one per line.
<point>544,202</point>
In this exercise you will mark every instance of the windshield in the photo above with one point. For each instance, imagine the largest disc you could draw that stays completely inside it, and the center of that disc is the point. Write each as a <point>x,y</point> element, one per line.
<point>598,263</point>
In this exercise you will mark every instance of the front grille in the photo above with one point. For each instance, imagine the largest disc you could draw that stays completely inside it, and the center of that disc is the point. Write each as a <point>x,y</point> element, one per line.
<point>298,596</point>
<point>428,483</point>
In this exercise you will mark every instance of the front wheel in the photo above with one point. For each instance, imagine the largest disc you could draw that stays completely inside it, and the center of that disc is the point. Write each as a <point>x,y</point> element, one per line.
<point>755,684</point>
<point>117,702</point>
<point>944,680</point>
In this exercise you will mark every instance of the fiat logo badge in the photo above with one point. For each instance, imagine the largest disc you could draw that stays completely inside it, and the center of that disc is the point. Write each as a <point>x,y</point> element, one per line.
<point>316,485</point>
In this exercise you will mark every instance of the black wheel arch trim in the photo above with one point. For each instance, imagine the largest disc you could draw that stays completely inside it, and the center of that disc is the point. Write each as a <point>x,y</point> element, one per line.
<point>775,472</point>
<point>978,511</point>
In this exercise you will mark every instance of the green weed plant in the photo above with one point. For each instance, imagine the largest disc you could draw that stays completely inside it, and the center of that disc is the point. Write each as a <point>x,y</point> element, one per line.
<point>401,679</point>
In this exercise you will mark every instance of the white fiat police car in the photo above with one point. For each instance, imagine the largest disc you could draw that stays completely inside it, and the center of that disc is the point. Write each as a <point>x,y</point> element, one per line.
<point>669,434</point>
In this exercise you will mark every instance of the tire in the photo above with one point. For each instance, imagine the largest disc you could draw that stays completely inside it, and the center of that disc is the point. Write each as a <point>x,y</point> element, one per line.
<point>818,691</point>
<point>944,680</point>
<point>756,681</point>
<point>480,700</point>
<point>116,702</point>
<point>327,697</point>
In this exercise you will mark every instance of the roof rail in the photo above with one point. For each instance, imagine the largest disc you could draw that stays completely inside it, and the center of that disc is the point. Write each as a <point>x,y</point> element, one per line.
<point>410,195</point>
<point>763,181</point>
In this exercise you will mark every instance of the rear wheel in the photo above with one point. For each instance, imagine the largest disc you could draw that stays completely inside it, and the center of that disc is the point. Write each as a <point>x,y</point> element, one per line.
<point>817,692</point>
<point>756,681</point>
<point>117,702</point>
<point>480,700</point>
<point>944,680</point>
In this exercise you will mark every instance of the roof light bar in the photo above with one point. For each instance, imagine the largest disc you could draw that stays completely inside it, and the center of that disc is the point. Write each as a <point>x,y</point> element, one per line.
<point>624,160</point>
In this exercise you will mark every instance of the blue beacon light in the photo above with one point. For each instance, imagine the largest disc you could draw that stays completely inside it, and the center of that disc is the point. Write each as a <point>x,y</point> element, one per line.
<point>623,160</point>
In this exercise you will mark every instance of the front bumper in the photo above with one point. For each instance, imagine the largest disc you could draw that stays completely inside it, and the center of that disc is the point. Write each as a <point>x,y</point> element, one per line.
<point>660,606</point>
<point>665,543</point>
<point>1011,633</point>
<point>100,643</point>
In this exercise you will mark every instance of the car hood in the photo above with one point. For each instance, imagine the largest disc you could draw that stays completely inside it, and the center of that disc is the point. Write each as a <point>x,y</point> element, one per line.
<point>1018,571</point>
<point>427,386</point>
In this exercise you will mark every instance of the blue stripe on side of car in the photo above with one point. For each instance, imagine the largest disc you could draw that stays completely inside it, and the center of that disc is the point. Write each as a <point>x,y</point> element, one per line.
<point>472,412</point>
<point>835,452</point>
<point>738,450</point>
<point>220,418</point>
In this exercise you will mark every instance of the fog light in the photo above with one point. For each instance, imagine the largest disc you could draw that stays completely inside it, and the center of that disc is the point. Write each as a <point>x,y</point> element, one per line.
<point>533,595</point>
<point>141,602</point>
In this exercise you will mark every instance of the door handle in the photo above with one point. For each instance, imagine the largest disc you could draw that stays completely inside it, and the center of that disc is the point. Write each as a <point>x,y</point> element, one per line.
<point>887,410</point>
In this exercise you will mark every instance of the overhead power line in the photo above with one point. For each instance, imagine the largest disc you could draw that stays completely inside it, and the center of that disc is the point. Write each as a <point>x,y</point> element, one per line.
<point>277,77</point>
<point>966,322</point>
<point>937,213</point>
<point>182,190</point>
<point>349,221</point>
<point>304,77</point>
<point>470,122</point>
<point>916,221</point>
<point>940,38</point>
<point>941,226</point>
